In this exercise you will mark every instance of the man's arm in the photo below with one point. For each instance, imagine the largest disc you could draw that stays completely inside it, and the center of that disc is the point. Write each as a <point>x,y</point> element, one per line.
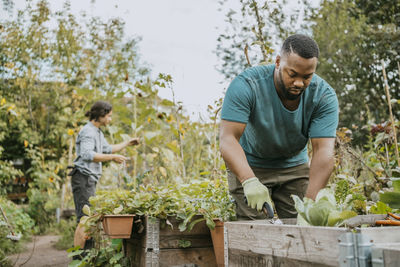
<point>322,164</point>
<point>120,146</point>
<point>231,150</point>
<point>108,157</point>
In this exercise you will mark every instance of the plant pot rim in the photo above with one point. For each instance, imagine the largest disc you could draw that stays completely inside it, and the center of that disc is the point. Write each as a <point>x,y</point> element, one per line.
<point>118,215</point>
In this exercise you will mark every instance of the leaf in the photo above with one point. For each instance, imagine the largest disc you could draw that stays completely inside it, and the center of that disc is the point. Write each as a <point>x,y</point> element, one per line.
<point>167,103</point>
<point>328,194</point>
<point>380,208</point>
<point>118,209</point>
<point>74,263</point>
<point>336,218</point>
<point>193,223</point>
<point>184,243</point>
<point>163,171</point>
<point>391,198</point>
<point>86,210</point>
<point>396,185</point>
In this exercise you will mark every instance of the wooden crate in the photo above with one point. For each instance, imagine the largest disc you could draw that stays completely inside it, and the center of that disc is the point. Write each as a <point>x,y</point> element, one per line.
<point>162,246</point>
<point>259,243</point>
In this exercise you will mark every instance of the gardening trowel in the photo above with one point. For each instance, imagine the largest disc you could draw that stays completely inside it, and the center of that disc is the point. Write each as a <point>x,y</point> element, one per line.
<point>269,212</point>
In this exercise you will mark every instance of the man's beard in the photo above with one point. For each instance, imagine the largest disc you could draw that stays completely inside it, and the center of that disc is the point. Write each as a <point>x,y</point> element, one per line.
<point>288,95</point>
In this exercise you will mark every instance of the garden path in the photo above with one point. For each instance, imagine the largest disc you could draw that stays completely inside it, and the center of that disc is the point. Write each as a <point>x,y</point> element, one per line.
<point>44,253</point>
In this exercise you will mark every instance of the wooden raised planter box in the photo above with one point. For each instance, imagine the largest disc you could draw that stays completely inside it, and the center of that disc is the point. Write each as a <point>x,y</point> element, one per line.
<point>162,246</point>
<point>258,243</point>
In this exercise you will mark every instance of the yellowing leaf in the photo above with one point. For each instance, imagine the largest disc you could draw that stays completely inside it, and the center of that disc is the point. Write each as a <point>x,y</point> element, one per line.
<point>57,169</point>
<point>26,143</point>
<point>118,210</point>
<point>163,171</point>
<point>86,210</point>
<point>3,101</point>
<point>11,107</point>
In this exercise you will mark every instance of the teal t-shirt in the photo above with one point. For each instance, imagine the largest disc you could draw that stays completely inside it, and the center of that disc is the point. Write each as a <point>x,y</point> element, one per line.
<point>276,137</point>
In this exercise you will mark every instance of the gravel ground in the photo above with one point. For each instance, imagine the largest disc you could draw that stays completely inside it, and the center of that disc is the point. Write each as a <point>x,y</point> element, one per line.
<point>44,253</point>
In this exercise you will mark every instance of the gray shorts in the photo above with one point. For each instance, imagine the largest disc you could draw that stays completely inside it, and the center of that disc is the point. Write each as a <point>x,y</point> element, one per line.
<point>83,188</point>
<point>281,184</point>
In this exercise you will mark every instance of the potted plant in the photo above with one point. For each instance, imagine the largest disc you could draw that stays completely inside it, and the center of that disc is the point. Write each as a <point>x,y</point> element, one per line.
<point>118,226</point>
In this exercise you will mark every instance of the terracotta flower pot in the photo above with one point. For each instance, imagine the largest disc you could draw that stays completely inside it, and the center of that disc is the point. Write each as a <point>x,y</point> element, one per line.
<point>217,236</point>
<point>118,226</point>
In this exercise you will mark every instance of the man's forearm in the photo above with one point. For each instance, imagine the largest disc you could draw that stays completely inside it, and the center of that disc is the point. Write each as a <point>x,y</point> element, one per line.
<point>102,157</point>
<point>118,147</point>
<point>235,158</point>
<point>320,170</point>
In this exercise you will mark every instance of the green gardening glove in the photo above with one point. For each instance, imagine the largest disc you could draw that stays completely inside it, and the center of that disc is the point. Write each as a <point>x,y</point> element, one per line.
<point>256,193</point>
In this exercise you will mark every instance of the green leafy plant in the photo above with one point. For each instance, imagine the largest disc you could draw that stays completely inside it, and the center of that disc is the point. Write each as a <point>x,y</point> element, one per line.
<point>20,222</point>
<point>183,201</point>
<point>324,211</point>
<point>392,198</point>
<point>109,254</point>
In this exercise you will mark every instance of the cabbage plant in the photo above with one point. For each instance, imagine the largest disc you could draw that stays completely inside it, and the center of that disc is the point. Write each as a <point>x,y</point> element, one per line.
<point>324,211</point>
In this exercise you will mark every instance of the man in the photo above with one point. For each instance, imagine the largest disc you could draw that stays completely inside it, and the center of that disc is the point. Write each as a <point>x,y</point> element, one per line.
<point>92,149</point>
<point>268,115</point>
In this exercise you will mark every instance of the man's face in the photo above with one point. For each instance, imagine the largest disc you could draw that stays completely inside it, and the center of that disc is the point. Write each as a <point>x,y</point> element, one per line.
<point>104,121</point>
<point>294,74</point>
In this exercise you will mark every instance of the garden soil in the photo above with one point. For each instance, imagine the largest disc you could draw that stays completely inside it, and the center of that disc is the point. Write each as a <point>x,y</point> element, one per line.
<point>44,253</point>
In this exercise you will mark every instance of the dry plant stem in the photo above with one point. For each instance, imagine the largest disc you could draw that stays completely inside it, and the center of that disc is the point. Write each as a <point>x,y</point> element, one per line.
<point>179,132</point>
<point>134,134</point>
<point>260,34</point>
<point>246,53</point>
<point>215,144</point>
<point>390,113</point>
<point>356,156</point>
<point>387,162</point>
<point>64,186</point>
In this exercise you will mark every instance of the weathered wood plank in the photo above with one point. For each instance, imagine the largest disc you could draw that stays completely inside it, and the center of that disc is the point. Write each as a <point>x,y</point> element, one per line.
<point>202,257</point>
<point>302,243</point>
<point>239,258</point>
<point>158,247</point>
<point>310,244</point>
<point>384,234</point>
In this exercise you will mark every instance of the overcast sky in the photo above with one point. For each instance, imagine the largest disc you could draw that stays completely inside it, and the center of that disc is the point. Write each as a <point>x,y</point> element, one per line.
<point>178,38</point>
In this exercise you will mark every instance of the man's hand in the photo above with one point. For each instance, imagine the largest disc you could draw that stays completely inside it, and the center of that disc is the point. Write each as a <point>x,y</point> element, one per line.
<point>119,158</point>
<point>256,193</point>
<point>133,142</point>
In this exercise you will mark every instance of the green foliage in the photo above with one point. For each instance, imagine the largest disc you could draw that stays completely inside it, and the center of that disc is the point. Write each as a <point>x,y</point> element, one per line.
<point>353,37</point>
<point>20,222</point>
<point>392,198</point>
<point>257,26</point>
<point>109,254</point>
<point>66,228</point>
<point>324,211</point>
<point>183,201</point>
<point>380,208</point>
<point>42,208</point>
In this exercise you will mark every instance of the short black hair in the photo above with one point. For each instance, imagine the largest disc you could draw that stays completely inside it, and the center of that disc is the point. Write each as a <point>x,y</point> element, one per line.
<point>300,44</point>
<point>99,109</point>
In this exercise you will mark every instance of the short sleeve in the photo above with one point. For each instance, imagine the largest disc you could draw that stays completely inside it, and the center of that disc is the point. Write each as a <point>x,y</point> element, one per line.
<point>238,101</point>
<point>106,149</point>
<point>326,117</point>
